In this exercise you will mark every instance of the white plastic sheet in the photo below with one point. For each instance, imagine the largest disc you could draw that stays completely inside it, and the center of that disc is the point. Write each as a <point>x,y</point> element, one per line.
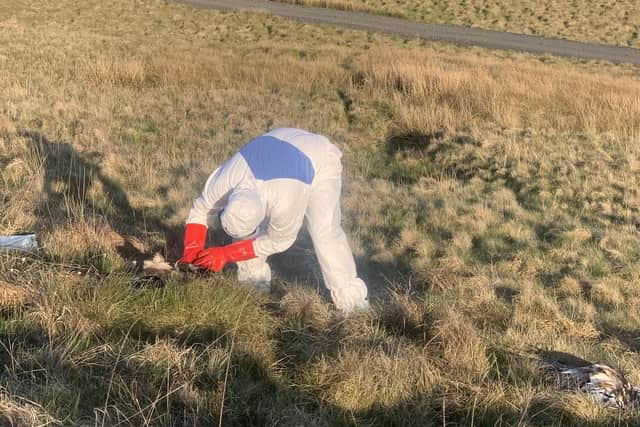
<point>26,242</point>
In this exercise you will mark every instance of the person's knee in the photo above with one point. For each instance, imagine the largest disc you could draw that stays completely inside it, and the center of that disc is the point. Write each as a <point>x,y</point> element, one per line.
<point>256,270</point>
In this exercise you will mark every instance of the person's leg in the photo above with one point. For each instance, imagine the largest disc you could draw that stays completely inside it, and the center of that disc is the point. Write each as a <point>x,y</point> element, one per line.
<point>330,243</point>
<point>256,271</point>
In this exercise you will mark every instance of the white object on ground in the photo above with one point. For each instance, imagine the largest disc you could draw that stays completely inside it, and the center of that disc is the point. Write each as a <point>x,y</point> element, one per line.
<point>25,242</point>
<point>606,384</point>
<point>154,272</point>
<point>297,177</point>
<point>156,267</point>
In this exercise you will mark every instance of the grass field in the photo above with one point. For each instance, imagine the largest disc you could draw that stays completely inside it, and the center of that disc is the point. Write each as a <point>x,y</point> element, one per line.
<point>494,217</point>
<point>608,22</point>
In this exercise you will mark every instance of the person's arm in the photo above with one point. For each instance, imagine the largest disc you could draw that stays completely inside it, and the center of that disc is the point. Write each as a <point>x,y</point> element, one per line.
<point>285,219</point>
<point>218,186</point>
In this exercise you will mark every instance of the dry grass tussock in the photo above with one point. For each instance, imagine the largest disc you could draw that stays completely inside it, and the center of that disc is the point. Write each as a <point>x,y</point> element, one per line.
<point>608,22</point>
<point>369,378</point>
<point>491,203</point>
<point>18,412</point>
<point>308,308</point>
<point>462,348</point>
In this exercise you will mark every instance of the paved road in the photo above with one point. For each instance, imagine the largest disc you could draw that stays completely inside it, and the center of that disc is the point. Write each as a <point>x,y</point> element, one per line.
<point>448,33</point>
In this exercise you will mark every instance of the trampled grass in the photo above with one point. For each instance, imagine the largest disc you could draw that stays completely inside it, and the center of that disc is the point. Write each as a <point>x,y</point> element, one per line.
<point>490,198</point>
<point>607,22</point>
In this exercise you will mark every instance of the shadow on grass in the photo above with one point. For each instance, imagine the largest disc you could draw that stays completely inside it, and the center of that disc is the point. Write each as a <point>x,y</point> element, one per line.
<point>195,335</point>
<point>256,393</point>
<point>299,264</point>
<point>630,339</point>
<point>68,179</point>
<point>564,358</point>
<point>506,294</point>
<point>409,156</point>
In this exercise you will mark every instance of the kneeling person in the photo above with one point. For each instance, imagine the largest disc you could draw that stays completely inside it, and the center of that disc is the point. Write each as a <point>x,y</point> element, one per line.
<point>263,194</point>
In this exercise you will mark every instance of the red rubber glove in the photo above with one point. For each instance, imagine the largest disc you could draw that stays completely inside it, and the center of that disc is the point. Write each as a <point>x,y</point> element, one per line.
<point>195,236</point>
<point>216,258</point>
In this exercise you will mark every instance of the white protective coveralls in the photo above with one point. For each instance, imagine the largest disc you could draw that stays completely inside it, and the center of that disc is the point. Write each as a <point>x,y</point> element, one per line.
<point>266,191</point>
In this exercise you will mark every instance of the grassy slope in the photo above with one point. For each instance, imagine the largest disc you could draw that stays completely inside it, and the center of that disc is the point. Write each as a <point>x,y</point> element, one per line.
<point>612,22</point>
<point>492,216</point>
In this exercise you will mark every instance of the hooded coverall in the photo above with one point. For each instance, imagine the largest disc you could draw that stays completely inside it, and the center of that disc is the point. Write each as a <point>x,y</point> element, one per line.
<point>266,191</point>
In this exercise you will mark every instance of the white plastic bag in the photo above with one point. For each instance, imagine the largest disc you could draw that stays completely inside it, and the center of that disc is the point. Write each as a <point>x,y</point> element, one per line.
<point>26,242</point>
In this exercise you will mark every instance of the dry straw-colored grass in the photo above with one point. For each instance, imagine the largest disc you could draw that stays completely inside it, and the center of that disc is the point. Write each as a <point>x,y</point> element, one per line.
<point>428,92</point>
<point>388,378</point>
<point>14,297</point>
<point>306,307</point>
<point>583,20</point>
<point>17,412</point>
<point>491,202</point>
